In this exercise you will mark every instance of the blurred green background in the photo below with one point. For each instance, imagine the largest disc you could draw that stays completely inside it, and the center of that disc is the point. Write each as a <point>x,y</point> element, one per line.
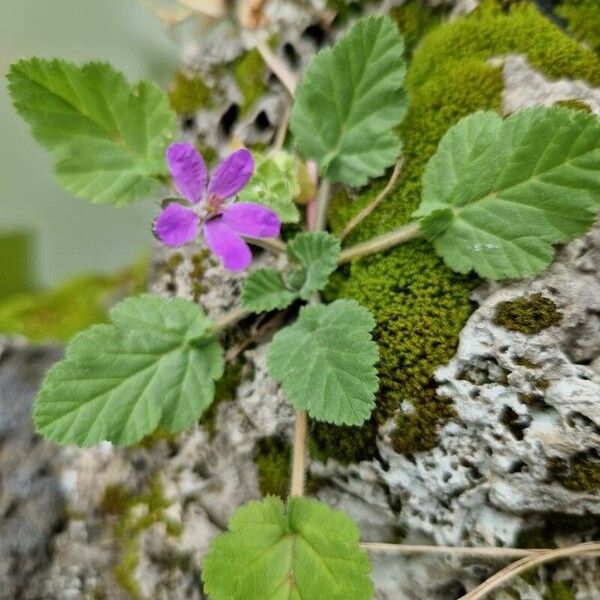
<point>46,236</point>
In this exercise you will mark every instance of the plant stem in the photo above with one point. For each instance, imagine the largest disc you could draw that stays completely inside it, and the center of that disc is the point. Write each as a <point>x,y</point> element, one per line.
<point>367,210</point>
<point>274,245</point>
<point>322,205</point>
<point>383,242</point>
<point>490,551</point>
<point>278,67</point>
<point>229,319</point>
<point>299,454</point>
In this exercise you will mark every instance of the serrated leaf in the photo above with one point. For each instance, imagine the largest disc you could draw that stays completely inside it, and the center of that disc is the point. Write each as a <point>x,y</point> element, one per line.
<point>265,290</point>
<point>497,194</point>
<point>349,101</point>
<point>275,184</point>
<point>318,255</point>
<point>325,362</point>
<point>108,138</point>
<point>154,365</point>
<point>307,551</point>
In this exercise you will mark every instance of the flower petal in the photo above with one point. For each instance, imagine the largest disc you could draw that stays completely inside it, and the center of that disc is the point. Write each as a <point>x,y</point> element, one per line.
<point>188,170</point>
<point>176,225</point>
<point>251,219</point>
<point>232,174</point>
<point>227,245</point>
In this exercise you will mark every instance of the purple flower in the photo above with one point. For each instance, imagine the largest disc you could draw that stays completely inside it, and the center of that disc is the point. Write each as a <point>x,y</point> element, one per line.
<point>224,224</point>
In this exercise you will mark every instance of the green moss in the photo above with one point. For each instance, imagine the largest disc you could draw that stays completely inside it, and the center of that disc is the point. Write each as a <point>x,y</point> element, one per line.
<point>136,514</point>
<point>559,590</point>
<point>115,500</point>
<point>574,104</point>
<point>414,19</point>
<point>583,475</point>
<point>344,444</point>
<point>272,456</point>
<point>528,314</point>
<point>224,392</point>
<point>583,20</point>
<point>250,75</point>
<point>61,313</point>
<point>491,31</point>
<point>523,361</point>
<point>189,94</point>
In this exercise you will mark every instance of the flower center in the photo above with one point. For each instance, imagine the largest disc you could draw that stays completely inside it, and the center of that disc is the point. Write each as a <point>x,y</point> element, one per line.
<point>214,204</point>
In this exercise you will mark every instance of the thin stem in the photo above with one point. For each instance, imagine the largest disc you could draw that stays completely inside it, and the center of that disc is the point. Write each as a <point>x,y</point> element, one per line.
<point>360,216</point>
<point>322,205</point>
<point>278,67</point>
<point>383,242</point>
<point>299,454</point>
<point>229,319</point>
<point>491,551</point>
<point>274,245</point>
<point>501,577</point>
<point>282,130</point>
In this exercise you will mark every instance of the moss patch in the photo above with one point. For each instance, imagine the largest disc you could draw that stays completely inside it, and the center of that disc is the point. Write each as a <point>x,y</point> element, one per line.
<point>583,20</point>
<point>224,392</point>
<point>528,314</point>
<point>189,94</point>
<point>491,31</point>
<point>415,19</point>
<point>135,515</point>
<point>272,458</point>
<point>250,74</point>
<point>583,475</point>
<point>559,590</point>
<point>77,304</point>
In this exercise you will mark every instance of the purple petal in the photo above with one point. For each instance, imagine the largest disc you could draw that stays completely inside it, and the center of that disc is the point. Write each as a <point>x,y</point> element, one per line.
<point>251,219</point>
<point>188,170</point>
<point>232,174</point>
<point>176,225</point>
<point>227,245</point>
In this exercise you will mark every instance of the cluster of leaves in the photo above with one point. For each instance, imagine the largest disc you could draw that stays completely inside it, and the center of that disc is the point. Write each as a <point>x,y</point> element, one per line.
<point>496,196</point>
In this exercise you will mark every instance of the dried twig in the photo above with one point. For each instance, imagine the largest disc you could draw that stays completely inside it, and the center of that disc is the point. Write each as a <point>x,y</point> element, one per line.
<point>367,210</point>
<point>526,563</point>
<point>278,67</point>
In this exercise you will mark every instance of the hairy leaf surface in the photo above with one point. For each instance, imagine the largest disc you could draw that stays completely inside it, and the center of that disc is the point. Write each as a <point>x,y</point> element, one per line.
<point>108,138</point>
<point>497,194</point>
<point>265,290</point>
<point>154,365</point>
<point>269,553</point>
<point>326,360</point>
<point>318,254</point>
<point>349,100</point>
<point>275,184</point>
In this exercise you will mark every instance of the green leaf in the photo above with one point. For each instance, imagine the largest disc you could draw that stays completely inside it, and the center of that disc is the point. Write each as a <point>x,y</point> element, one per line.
<point>318,255</point>
<point>275,184</point>
<point>326,360</point>
<point>108,138</point>
<point>307,551</point>
<point>497,194</point>
<point>154,365</point>
<point>265,290</point>
<point>349,101</point>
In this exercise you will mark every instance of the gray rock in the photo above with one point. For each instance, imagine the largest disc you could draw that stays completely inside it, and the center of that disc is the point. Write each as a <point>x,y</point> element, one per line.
<point>31,503</point>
